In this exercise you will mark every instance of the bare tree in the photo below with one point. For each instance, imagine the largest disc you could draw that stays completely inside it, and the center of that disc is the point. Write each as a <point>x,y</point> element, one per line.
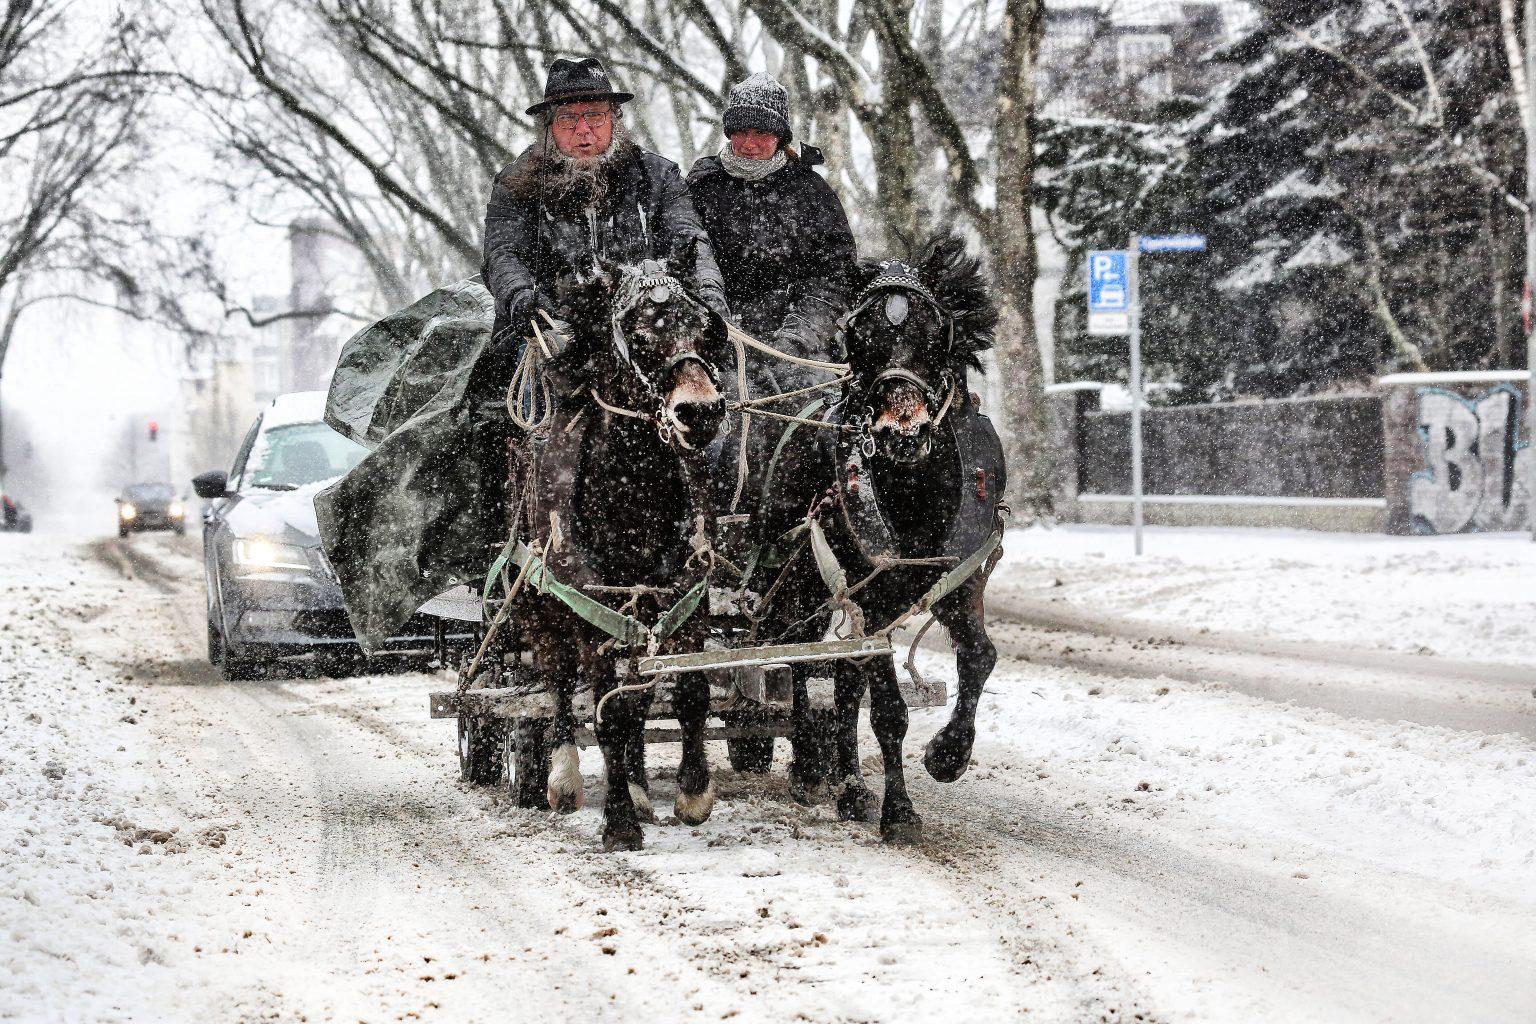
<point>389,120</point>
<point>72,107</point>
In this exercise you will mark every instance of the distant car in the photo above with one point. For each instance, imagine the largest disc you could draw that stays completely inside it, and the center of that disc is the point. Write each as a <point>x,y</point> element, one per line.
<point>271,593</point>
<point>14,518</point>
<point>150,507</point>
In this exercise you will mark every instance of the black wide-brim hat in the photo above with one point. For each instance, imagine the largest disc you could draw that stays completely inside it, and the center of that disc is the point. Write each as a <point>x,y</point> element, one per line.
<point>577,81</point>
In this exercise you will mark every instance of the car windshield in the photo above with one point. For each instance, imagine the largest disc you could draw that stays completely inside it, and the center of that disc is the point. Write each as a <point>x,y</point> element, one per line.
<point>149,492</point>
<point>289,457</point>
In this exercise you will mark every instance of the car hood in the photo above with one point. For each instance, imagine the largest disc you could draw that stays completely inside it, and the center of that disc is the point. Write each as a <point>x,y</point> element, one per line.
<point>287,516</point>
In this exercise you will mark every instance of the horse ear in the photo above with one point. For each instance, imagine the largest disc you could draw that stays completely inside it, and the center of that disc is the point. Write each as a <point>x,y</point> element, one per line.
<point>866,271</point>
<point>608,273</point>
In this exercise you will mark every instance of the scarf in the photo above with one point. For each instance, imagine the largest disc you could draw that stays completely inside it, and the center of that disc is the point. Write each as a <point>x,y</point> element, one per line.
<point>751,170</point>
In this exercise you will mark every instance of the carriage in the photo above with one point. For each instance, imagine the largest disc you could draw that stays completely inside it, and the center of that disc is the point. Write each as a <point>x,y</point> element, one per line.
<point>636,603</point>
<point>506,707</point>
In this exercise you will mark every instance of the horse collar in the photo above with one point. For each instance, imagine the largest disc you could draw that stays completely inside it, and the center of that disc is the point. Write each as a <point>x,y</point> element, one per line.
<point>983,478</point>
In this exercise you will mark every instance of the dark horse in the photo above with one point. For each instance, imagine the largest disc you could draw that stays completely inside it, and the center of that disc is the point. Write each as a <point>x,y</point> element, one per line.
<point>615,489</point>
<point>916,480</point>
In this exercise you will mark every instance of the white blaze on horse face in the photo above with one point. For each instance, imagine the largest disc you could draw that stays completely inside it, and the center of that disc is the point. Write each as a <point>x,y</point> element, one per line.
<point>565,783</point>
<point>695,404</point>
<point>903,409</point>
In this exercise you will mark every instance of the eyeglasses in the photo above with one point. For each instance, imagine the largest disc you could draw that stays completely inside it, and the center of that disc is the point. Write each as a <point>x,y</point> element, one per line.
<point>594,119</point>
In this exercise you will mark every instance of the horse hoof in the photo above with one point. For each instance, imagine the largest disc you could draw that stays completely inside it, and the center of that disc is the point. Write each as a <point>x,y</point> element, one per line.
<point>564,803</point>
<point>856,803</point>
<point>565,782</point>
<point>945,759</point>
<point>642,801</point>
<point>694,809</point>
<point>902,833</point>
<point>623,840</point>
<point>810,793</point>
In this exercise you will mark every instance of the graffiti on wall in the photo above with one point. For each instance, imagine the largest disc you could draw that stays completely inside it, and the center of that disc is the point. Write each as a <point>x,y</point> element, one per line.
<point>1478,472</point>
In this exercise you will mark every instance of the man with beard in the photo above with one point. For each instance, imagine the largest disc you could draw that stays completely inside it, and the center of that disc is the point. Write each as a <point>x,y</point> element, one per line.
<point>584,190</point>
<point>426,387</point>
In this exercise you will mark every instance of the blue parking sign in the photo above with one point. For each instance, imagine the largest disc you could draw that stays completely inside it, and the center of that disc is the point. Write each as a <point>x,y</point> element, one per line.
<point>1108,282</point>
<point>1109,292</point>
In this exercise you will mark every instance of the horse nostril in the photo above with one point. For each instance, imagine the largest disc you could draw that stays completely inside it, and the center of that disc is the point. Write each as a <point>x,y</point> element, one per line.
<point>701,419</point>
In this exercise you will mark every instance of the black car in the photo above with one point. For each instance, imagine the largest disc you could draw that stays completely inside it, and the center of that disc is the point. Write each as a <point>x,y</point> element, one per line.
<point>150,507</point>
<point>271,593</point>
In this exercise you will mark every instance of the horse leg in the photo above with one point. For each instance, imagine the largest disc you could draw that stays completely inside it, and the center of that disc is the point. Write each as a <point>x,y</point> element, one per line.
<point>565,791</point>
<point>639,784</point>
<point>809,738</point>
<point>854,800</point>
<point>623,717</point>
<point>695,788</point>
<point>899,823</point>
<point>948,753</point>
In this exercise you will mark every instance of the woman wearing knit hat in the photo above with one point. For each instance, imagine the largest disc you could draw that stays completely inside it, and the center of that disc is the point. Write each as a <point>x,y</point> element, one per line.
<point>778,231</point>
<point>787,255</point>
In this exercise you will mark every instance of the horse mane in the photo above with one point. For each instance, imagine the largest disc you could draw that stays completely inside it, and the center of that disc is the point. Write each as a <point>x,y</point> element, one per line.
<point>956,280</point>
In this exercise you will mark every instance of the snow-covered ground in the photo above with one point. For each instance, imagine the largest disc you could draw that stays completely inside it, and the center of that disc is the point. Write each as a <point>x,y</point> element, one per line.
<point>1468,597</point>
<point>1144,834</point>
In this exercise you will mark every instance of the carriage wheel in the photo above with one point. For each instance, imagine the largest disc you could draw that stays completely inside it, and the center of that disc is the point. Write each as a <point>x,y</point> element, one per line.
<point>481,745</point>
<point>527,775</point>
<point>754,754</point>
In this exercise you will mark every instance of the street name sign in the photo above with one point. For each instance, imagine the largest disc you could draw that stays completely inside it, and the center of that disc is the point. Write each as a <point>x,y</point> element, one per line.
<point>1173,243</point>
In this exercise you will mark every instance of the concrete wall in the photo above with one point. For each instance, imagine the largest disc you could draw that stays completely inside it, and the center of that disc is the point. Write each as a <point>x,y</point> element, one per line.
<point>1425,453</point>
<point>1305,448</point>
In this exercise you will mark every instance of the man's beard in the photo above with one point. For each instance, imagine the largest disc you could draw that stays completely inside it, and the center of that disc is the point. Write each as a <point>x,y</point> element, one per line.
<point>578,182</point>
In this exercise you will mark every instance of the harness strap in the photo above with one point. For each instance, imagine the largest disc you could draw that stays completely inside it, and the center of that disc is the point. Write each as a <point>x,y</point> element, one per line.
<point>625,629</point>
<point>951,580</point>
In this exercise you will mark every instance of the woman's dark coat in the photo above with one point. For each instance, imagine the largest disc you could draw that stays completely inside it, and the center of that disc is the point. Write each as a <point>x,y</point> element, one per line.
<point>784,249</point>
<point>788,259</point>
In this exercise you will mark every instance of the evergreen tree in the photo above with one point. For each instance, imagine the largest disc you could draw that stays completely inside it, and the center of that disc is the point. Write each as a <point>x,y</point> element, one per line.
<point>1357,177</point>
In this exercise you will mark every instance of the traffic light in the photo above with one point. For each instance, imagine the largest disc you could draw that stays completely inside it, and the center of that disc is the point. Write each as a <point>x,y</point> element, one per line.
<point>154,429</point>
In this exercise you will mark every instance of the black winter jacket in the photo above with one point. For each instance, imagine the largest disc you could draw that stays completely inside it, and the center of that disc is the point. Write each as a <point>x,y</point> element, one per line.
<point>530,238</point>
<point>784,248</point>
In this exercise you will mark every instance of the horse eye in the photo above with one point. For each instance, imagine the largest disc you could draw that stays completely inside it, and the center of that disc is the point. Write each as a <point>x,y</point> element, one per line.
<point>896,307</point>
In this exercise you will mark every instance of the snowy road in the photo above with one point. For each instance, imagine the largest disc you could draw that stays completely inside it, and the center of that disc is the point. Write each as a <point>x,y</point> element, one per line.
<point>1149,832</point>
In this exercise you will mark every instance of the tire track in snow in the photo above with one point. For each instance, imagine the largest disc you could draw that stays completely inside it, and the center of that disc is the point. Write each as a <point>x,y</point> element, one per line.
<point>1379,685</point>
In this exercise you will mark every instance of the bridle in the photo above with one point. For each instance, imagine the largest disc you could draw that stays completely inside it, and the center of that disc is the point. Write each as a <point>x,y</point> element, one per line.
<point>891,289</point>
<point>650,281</point>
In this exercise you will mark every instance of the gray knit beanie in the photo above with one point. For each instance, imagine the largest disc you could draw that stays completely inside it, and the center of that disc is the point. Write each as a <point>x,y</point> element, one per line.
<point>760,103</point>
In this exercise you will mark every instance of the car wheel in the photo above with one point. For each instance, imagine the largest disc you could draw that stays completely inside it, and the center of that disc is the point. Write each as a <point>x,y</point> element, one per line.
<point>231,668</point>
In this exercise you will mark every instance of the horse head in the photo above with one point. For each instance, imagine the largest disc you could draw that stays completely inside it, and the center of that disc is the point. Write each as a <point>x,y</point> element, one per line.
<point>912,332</point>
<point>658,337</point>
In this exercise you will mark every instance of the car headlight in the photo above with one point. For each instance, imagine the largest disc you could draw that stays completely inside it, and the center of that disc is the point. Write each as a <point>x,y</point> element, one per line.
<point>260,553</point>
<point>127,511</point>
<point>176,510</point>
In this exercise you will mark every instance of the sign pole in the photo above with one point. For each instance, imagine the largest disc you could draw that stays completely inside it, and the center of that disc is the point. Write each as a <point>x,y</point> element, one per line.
<point>1530,240</point>
<point>1133,257</point>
